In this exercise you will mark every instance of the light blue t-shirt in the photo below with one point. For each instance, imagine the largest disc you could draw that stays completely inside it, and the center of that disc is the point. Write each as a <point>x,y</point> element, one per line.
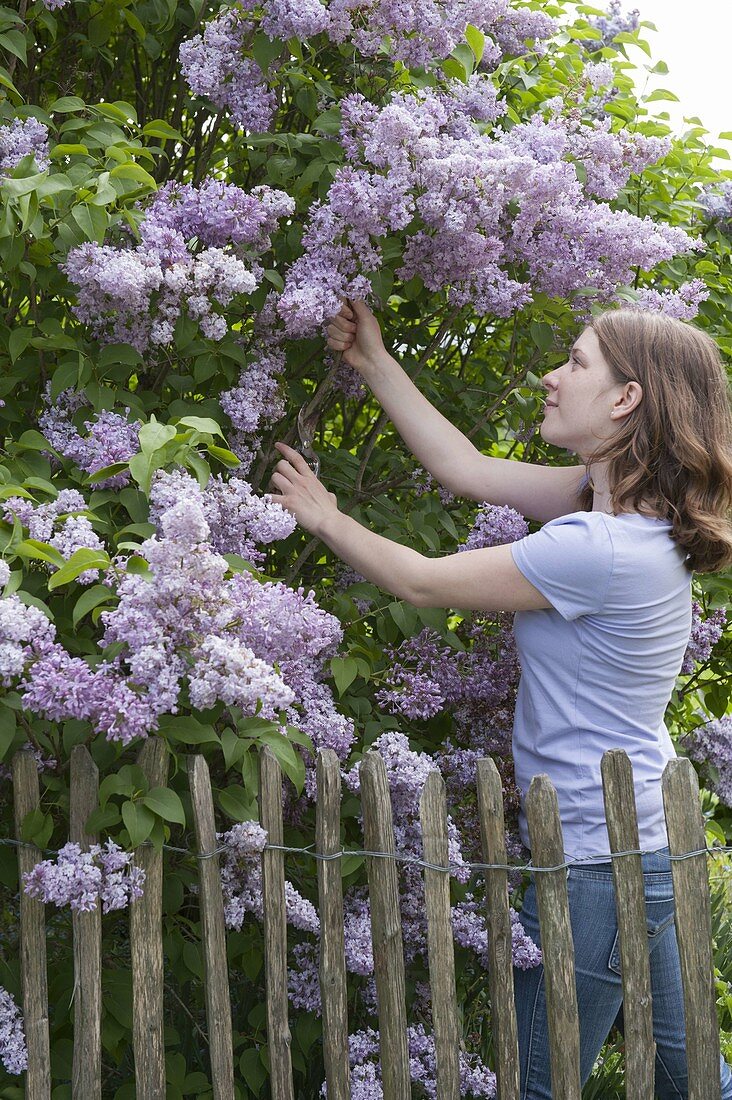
<point>599,666</point>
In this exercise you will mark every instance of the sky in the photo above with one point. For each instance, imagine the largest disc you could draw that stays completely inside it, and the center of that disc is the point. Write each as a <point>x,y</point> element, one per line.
<point>694,41</point>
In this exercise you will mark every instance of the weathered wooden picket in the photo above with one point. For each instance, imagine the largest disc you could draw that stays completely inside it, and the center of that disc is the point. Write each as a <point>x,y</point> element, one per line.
<point>693,924</point>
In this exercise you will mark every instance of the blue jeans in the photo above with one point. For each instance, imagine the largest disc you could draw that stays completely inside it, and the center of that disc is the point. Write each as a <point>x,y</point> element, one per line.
<point>599,988</point>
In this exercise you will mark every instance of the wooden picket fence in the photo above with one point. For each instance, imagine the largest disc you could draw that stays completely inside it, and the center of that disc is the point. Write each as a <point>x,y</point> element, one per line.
<point>693,924</point>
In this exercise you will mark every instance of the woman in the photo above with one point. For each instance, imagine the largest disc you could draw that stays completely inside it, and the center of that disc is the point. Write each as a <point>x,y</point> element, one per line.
<point>605,583</point>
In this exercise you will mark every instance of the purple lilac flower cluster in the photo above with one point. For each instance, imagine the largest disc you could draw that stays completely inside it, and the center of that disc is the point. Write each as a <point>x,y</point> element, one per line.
<point>19,624</point>
<point>215,65</point>
<point>198,250</point>
<point>81,879</point>
<point>13,1053</point>
<point>495,525</point>
<point>716,202</point>
<point>612,24</point>
<point>488,208</point>
<point>422,677</point>
<point>476,1079</point>
<point>712,745</point>
<point>188,620</point>
<point>682,303</point>
<point>52,523</point>
<point>257,400</point>
<point>705,633</point>
<point>20,138</point>
<point>241,881</point>
<point>109,437</point>
<point>238,519</point>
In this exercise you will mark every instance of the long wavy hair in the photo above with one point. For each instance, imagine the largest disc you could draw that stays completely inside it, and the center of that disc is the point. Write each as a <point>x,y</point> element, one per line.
<point>673,453</point>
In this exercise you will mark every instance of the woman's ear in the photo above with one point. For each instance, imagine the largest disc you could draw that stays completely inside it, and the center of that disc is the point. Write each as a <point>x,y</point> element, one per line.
<point>628,400</point>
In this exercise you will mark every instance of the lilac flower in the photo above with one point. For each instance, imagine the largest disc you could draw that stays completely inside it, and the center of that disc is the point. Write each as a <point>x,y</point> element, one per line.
<point>199,250</point>
<point>716,201</point>
<point>21,137</point>
<point>227,670</point>
<point>80,879</point>
<point>215,65</point>
<point>612,24</point>
<point>711,746</point>
<point>13,1053</point>
<point>45,523</point>
<point>491,218</point>
<point>476,1080</point>
<point>20,625</point>
<point>110,436</point>
<point>705,633</point>
<point>256,401</point>
<point>495,525</point>
<point>300,19</point>
<point>55,5</point>
<point>241,881</point>
<point>423,690</point>
<point>682,303</point>
<point>237,519</point>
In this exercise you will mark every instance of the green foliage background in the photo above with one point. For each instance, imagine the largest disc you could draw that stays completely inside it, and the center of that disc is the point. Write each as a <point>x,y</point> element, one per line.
<point>105,78</point>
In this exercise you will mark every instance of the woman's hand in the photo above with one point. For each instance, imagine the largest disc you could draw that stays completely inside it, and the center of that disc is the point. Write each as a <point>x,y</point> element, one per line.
<point>355,332</point>
<point>298,490</point>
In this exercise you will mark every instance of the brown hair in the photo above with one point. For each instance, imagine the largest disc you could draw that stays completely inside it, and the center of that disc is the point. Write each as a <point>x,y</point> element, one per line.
<point>673,453</point>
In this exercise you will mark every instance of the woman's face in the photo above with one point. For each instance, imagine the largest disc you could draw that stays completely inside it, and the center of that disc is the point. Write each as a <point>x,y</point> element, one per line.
<point>582,403</point>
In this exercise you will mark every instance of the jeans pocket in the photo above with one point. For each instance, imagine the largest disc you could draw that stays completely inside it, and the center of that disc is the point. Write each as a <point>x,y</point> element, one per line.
<point>659,915</point>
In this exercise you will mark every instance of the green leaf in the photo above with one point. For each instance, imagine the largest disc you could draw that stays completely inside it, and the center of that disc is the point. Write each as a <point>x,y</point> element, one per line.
<point>203,424</point>
<point>659,94</point>
<point>93,597</point>
<point>476,40</point>
<point>265,50</point>
<point>66,104</point>
<point>226,458</point>
<point>19,340</point>
<point>237,804</point>
<point>8,722</point>
<point>133,171</point>
<point>160,129</point>
<point>542,335</point>
<point>101,819</point>
<point>290,761</point>
<point>233,747</point>
<point>166,804</point>
<point>155,435</point>
<point>14,42</point>
<point>405,617</point>
<point>36,828</point>
<point>79,562</point>
<point>345,671</point>
<point>91,220</point>
<point>106,471</point>
<point>34,441</point>
<point>62,150</point>
<point>40,551</point>
<point>187,729</point>
<point>139,822</point>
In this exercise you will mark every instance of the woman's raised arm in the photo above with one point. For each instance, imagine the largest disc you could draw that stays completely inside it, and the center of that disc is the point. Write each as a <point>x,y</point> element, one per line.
<point>538,492</point>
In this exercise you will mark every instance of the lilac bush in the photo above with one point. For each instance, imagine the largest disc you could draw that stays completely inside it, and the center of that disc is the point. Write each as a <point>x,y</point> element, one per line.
<point>199,250</point>
<point>82,879</point>
<point>181,217</point>
<point>13,1054</point>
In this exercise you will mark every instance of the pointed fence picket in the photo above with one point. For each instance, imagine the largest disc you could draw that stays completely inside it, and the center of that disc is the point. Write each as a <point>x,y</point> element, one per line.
<point>693,925</point>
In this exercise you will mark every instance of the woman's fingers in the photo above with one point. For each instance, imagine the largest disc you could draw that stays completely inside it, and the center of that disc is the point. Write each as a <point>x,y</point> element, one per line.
<point>293,459</point>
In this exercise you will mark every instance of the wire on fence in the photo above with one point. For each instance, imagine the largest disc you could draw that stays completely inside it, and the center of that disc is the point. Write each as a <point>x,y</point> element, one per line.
<point>415,861</point>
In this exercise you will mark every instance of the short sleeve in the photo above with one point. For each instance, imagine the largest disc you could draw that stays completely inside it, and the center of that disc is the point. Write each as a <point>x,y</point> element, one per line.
<point>570,561</point>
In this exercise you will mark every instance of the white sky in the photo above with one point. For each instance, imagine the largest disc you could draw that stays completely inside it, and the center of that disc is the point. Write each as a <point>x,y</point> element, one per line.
<point>694,40</point>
